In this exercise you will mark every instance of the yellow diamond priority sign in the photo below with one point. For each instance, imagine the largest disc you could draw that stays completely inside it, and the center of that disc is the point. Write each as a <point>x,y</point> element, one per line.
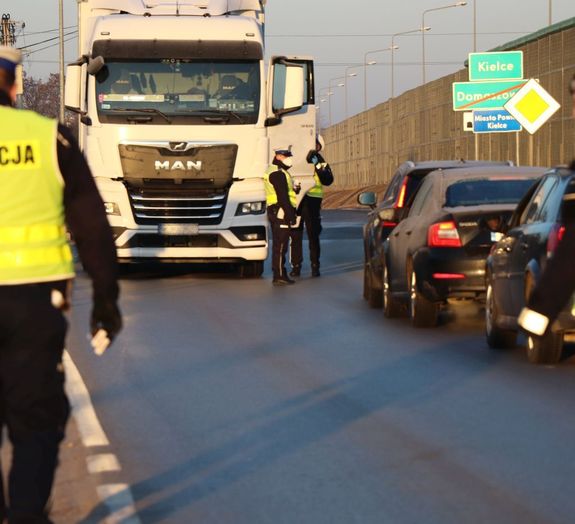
<point>532,106</point>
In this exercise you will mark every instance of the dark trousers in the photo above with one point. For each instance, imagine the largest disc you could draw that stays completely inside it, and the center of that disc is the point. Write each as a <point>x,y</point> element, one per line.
<point>310,211</point>
<point>33,404</point>
<point>280,242</point>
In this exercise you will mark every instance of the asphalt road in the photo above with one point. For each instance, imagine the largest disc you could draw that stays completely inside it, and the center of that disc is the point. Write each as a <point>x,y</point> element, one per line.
<point>229,401</point>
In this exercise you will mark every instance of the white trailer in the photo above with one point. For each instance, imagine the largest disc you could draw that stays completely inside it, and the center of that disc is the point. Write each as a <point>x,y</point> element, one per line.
<point>179,117</point>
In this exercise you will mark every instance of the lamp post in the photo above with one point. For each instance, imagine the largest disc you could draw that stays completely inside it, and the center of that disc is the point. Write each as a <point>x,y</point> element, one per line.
<point>322,100</point>
<point>475,26</point>
<point>340,84</point>
<point>365,64</point>
<point>348,75</point>
<point>458,4</point>
<point>550,12</point>
<point>61,28</point>
<point>421,29</point>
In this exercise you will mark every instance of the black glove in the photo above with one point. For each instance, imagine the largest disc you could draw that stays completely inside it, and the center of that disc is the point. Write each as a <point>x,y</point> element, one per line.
<point>106,315</point>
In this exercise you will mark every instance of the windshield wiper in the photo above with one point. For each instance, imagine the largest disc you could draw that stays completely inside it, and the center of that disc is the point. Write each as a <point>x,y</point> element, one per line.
<point>141,110</point>
<point>213,115</point>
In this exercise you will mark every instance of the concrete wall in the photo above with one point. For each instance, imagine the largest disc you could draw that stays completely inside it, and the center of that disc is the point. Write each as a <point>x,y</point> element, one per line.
<point>421,124</point>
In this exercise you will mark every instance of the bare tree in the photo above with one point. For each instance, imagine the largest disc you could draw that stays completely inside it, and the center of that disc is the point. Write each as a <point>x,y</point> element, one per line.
<point>43,96</point>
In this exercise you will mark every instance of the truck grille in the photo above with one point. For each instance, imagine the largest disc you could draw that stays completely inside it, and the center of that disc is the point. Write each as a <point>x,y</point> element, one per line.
<point>156,207</point>
<point>178,182</point>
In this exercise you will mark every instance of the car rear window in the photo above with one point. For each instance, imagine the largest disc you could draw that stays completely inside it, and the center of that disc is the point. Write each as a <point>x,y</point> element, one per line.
<point>486,191</point>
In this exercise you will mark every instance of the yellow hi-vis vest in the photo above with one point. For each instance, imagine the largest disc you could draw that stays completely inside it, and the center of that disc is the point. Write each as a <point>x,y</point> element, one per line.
<point>271,196</point>
<point>317,190</point>
<point>33,243</point>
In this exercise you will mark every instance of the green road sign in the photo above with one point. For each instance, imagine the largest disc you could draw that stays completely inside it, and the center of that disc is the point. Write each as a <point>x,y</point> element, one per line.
<point>468,96</point>
<point>506,65</point>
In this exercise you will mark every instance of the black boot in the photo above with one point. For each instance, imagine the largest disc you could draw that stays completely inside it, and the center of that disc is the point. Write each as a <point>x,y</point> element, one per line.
<point>295,271</point>
<point>282,281</point>
<point>315,271</point>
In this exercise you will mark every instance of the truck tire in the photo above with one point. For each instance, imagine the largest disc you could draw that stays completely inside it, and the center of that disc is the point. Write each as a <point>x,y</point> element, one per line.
<point>391,306</point>
<point>497,338</point>
<point>252,269</point>
<point>423,312</point>
<point>546,349</point>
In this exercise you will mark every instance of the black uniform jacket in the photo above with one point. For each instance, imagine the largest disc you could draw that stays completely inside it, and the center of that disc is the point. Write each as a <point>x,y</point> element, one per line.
<point>278,180</point>
<point>85,216</point>
<point>324,174</point>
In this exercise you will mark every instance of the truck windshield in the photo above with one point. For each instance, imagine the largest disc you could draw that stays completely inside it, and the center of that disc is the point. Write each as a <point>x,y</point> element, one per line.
<point>179,91</point>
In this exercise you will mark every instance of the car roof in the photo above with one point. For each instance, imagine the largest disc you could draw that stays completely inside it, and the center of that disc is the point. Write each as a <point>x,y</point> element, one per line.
<point>449,175</point>
<point>430,165</point>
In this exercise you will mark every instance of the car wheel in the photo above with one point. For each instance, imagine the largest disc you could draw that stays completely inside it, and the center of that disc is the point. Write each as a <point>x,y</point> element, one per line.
<point>546,349</point>
<point>391,306</point>
<point>497,338</point>
<point>422,312</point>
<point>373,294</point>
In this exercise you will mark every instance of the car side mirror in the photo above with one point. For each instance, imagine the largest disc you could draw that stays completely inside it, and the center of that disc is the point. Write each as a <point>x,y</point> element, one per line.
<point>367,198</point>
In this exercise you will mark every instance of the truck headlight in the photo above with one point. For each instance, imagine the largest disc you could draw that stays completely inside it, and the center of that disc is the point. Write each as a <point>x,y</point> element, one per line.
<point>111,208</point>
<point>251,208</point>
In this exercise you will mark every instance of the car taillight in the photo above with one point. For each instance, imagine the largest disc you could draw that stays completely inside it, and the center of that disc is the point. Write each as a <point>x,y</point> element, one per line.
<point>388,223</point>
<point>443,234</point>
<point>555,236</point>
<point>401,197</point>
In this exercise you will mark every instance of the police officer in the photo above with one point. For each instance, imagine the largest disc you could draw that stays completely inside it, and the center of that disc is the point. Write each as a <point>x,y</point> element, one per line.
<point>281,208</point>
<point>310,212</point>
<point>44,183</point>
<point>557,283</point>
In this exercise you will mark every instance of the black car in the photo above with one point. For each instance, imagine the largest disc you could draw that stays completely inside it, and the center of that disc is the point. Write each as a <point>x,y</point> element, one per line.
<point>385,215</point>
<point>517,260</point>
<point>438,251</point>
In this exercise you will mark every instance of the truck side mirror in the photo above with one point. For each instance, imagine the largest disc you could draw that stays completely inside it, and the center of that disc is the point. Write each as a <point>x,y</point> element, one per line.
<point>288,89</point>
<point>74,98</point>
<point>293,98</point>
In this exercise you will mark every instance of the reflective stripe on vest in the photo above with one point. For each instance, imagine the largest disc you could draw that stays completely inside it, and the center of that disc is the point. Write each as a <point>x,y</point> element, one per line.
<point>271,196</point>
<point>33,243</point>
<point>317,190</point>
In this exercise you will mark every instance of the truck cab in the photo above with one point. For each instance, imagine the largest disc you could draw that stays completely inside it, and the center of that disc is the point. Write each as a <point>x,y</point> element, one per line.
<point>179,114</point>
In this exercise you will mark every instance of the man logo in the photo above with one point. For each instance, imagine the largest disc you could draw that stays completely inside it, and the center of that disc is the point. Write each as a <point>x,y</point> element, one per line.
<point>178,146</point>
<point>178,165</point>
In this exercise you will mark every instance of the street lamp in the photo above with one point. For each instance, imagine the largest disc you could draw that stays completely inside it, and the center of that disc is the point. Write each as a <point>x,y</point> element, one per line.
<point>340,84</point>
<point>322,100</point>
<point>365,64</point>
<point>458,4</point>
<point>348,75</point>
<point>421,29</point>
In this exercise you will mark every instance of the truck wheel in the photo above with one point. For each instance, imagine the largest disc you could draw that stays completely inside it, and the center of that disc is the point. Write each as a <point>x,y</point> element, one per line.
<point>546,349</point>
<point>373,293</point>
<point>391,307</point>
<point>497,338</point>
<point>422,312</point>
<point>252,269</point>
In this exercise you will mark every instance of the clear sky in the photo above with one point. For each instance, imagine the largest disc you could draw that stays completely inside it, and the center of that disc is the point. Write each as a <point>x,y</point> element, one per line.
<point>338,34</point>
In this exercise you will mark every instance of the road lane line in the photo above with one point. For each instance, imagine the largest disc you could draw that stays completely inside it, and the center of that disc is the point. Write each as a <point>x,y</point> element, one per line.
<point>102,463</point>
<point>119,500</point>
<point>88,424</point>
<point>116,497</point>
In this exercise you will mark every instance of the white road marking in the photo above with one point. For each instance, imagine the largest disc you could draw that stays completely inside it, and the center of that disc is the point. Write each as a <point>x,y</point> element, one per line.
<point>119,500</point>
<point>117,497</point>
<point>82,409</point>
<point>102,462</point>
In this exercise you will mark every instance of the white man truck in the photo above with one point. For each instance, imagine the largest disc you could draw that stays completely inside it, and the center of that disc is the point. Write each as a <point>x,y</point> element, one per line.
<point>179,117</point>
